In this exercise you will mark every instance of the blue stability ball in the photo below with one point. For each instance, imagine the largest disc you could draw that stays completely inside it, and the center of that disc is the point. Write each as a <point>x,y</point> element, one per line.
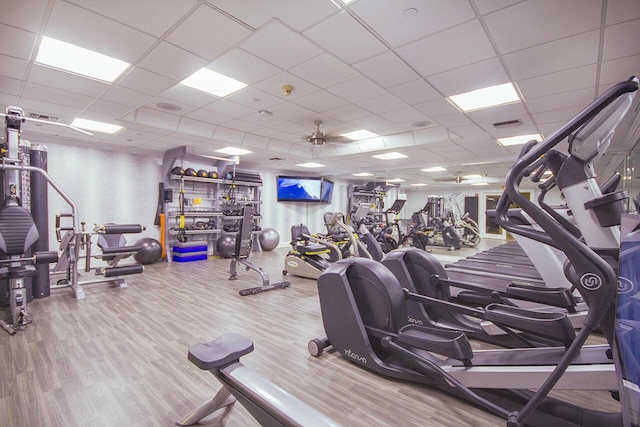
<point>151,251</point>
<point>226,245</point>
<point>269,239</point>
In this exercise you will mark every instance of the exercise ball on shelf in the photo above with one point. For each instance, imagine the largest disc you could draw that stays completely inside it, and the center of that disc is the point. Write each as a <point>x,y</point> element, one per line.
<point>226,245</point>
<point>269,239</point>
<point>151,251</point>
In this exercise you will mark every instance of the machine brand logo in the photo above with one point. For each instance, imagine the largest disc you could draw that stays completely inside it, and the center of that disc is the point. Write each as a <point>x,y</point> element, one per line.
<point>590,281</point>
<point>416,321</point>
<point>625,285</point>
<point>292,263</point>
<point>355,356</point>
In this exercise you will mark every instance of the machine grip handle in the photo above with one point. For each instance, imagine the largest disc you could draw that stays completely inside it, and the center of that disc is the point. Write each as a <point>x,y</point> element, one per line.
<point>46,257</point>
<point>120,228</point>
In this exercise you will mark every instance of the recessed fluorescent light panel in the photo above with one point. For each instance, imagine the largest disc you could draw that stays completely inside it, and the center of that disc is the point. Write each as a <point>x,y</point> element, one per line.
<point>362,174</point>
<point>95,126</point>
<point>472,176</point>
<point>519,139</point>
<point>419,184</point>
<point>233,151</point>
<point>359,134</point>
<point>480,183</point>
<point>395,180</point>
<point>78,60</point>
<point>389,156</point>
<point>310,165</point>
<point>209,81</point>
<point>434,169</point>
<point>486,97</point>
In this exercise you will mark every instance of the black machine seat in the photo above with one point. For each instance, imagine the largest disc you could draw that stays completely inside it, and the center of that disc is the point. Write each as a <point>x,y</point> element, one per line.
<point>112,244</point>
<point>17,231</point>
<point>300,241</point>
<point>220,352</point>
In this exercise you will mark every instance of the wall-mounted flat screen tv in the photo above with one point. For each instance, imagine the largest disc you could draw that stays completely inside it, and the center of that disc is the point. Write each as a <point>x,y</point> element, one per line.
<point>304,189</point>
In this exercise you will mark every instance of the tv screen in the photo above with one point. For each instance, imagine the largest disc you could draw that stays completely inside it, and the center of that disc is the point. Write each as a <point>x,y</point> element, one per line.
<point>327,191</point>
<point>299,189</point>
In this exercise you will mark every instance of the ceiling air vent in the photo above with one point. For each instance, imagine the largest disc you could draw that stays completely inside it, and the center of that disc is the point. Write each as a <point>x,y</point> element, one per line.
<point>507,124</point>
<point>43,117</point>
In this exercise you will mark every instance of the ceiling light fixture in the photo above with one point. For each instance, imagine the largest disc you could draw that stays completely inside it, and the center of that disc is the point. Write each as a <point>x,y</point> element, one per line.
<point>395,180</point>
<point>519,139</point>
<point>209,81</point>
<point>389,156</point>
<point>359,134</point>
<point>95,126</point>
<point>233,151</point>
<point>362,174</point>
<point>78,60</point>
<point>419,184</point>
<point>480,183</point>
<point>434,169</point>
<point>486,97</point>
<point>310,165</point>
<point>472,176</point>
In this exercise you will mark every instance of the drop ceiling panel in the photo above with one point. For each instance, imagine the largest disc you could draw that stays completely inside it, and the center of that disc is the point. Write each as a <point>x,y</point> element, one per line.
<point>51,77</point>
<point>168,104</point>
<point>56,96</point>
<point>357,89</point>
<point>348,112</point>
<point>208,33</point>
<point>437,108</point>
<point>382,104</point>
<point>563,81</point>
<point>531,23</point>
<point>280,46</point>
<point>294,112</point>
<point>254,98</point>
<point>621,40</point>
<point>402,22</point>
<point>155,118</point>
<point>184,95</point>
<point>243,66</point>
<point>489,72</point>
<point>129,97</point>
<point>455,47</point>
<point>298,14</point>
<point>16,42</point>
<point>225,134</point>
<point>172,62</point>
<point>499,114</point>
<point>488,6</point>
<point>242,125</point>
<point>13,67</point>
<point>148,82</point>
<point>386,70</point>
<point>405,115</point>
<point>273,86</point>
<point>86,29</point>
<point>576,98</point>
<point>431,136</point>
<point>342,36</point>
<point>415,92</point>
<point>230,108</point>
<point>195,127</point>
<point>570,52</point>
<point>324,70</point>
<point>108,108</point>
<point>564,114</point>
<point>320,101</point>
<point>617,70</point>
<point>622,10</point>
<point>28,18</point>
<point>256,141</point>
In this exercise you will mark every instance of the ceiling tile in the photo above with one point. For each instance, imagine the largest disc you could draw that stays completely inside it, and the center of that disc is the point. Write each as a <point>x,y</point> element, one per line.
<point>229,107</point>
<point>456,47</point>
<point>324,70</point>
<point>401,22</point>
<point>126,96</point>
<point>622,10</point>
<point>382,104</point>
<point>242,125</point>
<point>13,67</point>
<point>570,52</point>
<point>386,70</point>
<point>172,62</point>
<point>405,115</point>
<point>320,101</point>
<point>201,33</point>
<point>11,86</point>
<point>563,81</point>
<point>226,134</point>
<point>298,14</point>
<point>181,94</point>
<point>348,112</point>
<point>499,114</point>
<point>621,40</point>
<point>109,108</point>
<point>294,112</point>
<point>86,29</point>
<point>437,108</point>
<point>488,6</point>
<point>544,21</point>
<point>489,72</point>
<point>344,37</point>
<point>576,98</point>
<point>453,120</point>
<point>160,103</point>
<point>255,99</point>
<point>209,116</point>
<point>617,70</point>
<point>66,81</point>
<point>273,85</point>
<point>154,19</point>
<point>357,89</point>
<point>243,66</point>
<point>431,136</point>
<point>155,118</point>
<point>141,80</point>
<point>28,18</point>
<point>256,141</point>
<point>415,92</point>
<point>16,43</point>
<point>553,116</point>
<point>280,46</point>
<point>56,96</point>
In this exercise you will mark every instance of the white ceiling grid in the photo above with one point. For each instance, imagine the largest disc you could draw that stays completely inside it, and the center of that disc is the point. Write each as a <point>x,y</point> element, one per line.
<point>376,64</point>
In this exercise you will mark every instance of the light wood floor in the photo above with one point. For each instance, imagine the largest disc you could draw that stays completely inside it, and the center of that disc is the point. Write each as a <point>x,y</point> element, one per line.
<point>119,357</point>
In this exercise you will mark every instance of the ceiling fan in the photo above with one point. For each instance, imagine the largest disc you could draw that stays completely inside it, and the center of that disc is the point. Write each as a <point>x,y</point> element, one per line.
<point>458,178</point>
<point>319,138</point>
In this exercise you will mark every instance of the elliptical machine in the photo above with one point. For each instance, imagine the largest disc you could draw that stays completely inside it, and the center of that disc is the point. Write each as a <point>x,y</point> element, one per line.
<point>364,306</point>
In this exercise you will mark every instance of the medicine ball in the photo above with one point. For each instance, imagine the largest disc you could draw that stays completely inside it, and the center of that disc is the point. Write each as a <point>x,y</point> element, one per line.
<point>190,172</point>
<point>213,174</point>
<point>177,171</point>
<point>203,173</point>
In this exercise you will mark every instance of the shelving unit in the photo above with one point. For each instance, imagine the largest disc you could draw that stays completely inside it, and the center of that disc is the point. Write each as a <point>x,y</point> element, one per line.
<point>373,197</point>
<point>212,206</point>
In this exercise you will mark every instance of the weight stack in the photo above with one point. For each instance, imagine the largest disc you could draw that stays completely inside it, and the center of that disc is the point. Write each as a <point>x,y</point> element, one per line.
<point>189,251</point>
<point>40,212</point>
